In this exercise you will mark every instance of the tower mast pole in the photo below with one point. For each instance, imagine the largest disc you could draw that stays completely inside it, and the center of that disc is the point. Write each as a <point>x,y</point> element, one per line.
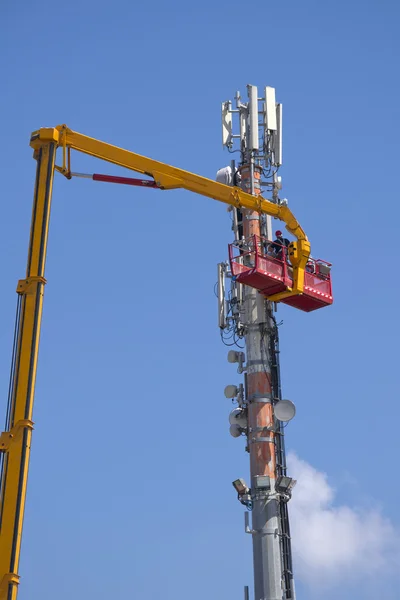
<point>261,156</point>
<point>261,438</point>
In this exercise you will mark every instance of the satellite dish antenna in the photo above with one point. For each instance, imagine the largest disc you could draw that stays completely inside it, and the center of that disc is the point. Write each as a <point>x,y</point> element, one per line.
<point>238,417</point>
<point>235,431</point>
<point>284,410</point>
<point>233,356</point>
<point>230,391</point>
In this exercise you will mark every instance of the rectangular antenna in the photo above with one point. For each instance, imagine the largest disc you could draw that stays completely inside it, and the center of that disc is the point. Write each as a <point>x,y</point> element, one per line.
<point>246,522</point>
<point>243,127</point>
<point>246,592</point>
<point>278,137</point>
<point>253,115</point>
<point>227,124</point>
<point>221,296</point>
<point>240,295</point>
<point>270,109</point>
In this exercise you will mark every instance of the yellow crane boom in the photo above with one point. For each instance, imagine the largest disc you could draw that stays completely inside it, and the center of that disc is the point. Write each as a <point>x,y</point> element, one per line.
<point>15,441</point>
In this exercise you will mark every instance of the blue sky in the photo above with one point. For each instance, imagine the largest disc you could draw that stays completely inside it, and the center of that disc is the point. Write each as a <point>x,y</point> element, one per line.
<point>130,483</point>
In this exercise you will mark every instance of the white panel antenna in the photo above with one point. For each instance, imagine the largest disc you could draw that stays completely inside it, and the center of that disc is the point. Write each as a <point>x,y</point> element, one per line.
<point>227,130</point>
<point>278,137</point>
<point>243,127</point>
<point>270,109</point>
<point>221,296</point>
<point>253,115</point>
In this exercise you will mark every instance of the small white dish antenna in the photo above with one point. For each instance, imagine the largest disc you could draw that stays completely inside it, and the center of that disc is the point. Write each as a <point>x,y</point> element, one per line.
<point>238,417</point>
<point>230,391</point>
<point>284,410</point>
<point>235,431</point>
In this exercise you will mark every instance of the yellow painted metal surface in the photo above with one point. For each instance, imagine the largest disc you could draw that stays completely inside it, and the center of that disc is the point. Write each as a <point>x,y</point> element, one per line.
<point>168,177</point>
<point>15,442</point>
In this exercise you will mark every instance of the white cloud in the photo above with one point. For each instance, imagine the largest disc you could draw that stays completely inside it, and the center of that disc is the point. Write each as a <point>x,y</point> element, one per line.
<point>333,544</point>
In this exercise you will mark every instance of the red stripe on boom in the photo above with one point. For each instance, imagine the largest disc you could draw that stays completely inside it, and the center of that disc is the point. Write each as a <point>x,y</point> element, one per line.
<point>125,180</point>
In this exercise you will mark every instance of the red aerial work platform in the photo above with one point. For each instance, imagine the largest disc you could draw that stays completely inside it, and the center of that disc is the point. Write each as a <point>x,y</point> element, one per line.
<point>262,264</point>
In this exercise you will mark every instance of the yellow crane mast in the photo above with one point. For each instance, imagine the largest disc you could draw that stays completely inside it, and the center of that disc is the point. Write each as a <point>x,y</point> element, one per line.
<point>15,441</point>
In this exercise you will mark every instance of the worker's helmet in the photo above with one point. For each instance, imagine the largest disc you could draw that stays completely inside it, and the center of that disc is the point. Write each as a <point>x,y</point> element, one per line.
<point>278,233</point>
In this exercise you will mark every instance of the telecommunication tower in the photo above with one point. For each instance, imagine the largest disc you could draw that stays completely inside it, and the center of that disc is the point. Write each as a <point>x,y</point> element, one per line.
<point>245,314</point>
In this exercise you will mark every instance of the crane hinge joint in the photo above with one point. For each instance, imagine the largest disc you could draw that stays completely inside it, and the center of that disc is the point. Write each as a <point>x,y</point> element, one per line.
<point>8,437</point>
<point>8,578</point>
<point>26,286</point>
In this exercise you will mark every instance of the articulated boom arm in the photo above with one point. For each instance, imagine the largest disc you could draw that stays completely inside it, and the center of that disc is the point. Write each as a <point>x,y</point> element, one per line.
<point>168,178</point>
<point>16,439</point>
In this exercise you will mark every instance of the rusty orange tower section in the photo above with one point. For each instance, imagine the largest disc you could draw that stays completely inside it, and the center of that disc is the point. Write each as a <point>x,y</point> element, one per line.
<point>259,389</point>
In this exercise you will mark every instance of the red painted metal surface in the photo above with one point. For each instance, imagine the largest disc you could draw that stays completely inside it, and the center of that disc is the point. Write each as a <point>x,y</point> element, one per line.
<point>254,265</point>
<point>317,293</point>
<point>125,180</point>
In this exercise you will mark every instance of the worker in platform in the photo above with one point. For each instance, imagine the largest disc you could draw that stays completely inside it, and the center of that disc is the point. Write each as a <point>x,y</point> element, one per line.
<point>279,246</point>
